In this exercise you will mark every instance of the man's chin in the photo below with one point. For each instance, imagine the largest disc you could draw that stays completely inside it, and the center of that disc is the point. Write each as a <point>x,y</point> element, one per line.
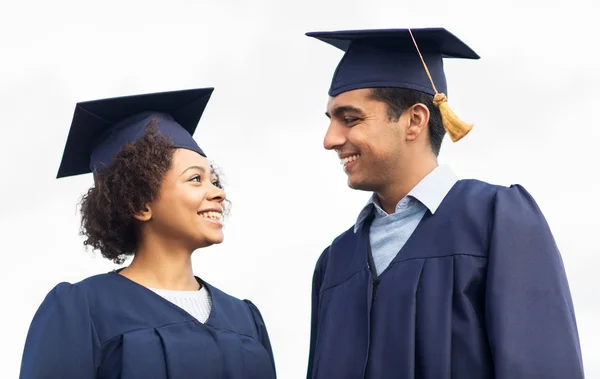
<point>359,185</point>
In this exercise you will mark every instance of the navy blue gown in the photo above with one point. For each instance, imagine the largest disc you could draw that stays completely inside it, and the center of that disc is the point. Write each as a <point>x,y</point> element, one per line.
<point>478,291</point>
<point>108,327</point>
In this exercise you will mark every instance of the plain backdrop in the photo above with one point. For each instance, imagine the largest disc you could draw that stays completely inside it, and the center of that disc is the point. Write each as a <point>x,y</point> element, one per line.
<point>532,97</point>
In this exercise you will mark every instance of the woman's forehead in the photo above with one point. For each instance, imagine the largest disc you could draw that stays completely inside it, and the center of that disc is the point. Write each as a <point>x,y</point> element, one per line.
<point>184,158</point>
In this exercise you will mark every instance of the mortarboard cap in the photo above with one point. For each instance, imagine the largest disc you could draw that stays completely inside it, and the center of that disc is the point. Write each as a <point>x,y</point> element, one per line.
<point>400,58</point>
<point>100,128</point>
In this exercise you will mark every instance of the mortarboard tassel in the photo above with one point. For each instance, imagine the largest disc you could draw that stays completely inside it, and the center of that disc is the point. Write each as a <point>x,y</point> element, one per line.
<point>455,127</point>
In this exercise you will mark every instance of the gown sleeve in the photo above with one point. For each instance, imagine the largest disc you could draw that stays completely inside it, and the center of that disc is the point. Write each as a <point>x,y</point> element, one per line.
<point>61,341</point>
<point>314,321</point>
<point>263,335</point>
<point>529,311</point>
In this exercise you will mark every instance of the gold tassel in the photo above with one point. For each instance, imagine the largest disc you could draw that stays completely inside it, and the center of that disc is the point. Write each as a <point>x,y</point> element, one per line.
<point>455,127</point>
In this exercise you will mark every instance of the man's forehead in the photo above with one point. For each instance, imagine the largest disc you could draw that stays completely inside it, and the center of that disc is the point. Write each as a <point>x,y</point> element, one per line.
<point>350,98</point>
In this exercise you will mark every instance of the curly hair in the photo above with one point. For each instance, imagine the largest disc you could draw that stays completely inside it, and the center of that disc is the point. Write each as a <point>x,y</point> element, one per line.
<point>123,189</point>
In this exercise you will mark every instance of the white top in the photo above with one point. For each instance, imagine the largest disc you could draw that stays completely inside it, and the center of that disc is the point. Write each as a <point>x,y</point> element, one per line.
<point>197,303</point>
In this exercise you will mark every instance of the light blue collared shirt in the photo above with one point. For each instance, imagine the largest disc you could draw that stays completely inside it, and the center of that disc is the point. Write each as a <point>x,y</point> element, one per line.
<point>389,233</point>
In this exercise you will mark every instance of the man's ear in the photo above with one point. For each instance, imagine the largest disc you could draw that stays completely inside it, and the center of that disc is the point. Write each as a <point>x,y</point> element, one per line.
<point>145,214</point>
<point>418,119</point>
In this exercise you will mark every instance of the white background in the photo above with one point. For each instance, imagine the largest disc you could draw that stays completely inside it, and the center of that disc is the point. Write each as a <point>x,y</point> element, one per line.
<point>533,98</point>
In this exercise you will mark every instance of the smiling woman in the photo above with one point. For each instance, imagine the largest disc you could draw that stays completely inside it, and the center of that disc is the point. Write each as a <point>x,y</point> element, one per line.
<point>142,171</point>
<point>156,197</point>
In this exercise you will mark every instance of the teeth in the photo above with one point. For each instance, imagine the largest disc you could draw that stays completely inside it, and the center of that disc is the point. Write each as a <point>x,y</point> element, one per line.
<point>349,159</point>
<point>211,214</point>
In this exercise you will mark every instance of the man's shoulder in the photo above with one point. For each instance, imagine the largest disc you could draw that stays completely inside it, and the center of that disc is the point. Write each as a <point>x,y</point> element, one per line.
<point>345,236</point>
<point>477,187</point>
<point>348,234</point>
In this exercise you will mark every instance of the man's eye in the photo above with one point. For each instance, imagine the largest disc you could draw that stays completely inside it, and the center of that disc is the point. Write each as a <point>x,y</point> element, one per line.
<point>351,120</point>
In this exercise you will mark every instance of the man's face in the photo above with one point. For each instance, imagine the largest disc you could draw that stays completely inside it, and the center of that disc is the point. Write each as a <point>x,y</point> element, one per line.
<point>369,144</point>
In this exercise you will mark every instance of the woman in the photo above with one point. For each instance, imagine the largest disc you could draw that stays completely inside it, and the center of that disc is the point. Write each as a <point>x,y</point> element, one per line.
<point>157,198</point>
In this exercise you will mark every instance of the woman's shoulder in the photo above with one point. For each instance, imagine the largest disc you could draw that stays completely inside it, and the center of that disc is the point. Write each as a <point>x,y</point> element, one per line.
<point>74,292</point>
<point>88,288</point>
<point>71,300</point>
<point>226,303</point>
<point>240,315</point>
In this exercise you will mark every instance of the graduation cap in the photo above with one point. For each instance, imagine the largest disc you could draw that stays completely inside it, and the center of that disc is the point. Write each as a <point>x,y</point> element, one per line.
<point>401,58</point>
<point>100,128</point>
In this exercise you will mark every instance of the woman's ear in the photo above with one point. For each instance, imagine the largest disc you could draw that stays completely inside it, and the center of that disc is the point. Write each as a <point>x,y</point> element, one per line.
<point>145,214</point>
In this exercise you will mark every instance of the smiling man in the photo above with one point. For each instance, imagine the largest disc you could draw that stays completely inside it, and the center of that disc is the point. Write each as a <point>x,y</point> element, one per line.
<point>438,278</point>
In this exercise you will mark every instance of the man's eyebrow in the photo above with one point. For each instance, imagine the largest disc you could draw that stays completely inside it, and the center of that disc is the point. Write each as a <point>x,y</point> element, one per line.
<point>338,111</point>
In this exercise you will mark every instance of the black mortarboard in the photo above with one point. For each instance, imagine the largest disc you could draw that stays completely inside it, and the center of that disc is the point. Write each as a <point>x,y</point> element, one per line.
<point>100,128</point>
<point>388,58</point>
<point>401,58</point>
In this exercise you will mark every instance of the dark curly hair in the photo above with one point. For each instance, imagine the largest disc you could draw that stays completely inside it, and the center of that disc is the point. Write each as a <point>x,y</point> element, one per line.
<point>123,189</point>
<point>400,99</point>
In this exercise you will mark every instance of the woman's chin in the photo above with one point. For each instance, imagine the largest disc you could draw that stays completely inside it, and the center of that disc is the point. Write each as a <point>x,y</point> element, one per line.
<point>207,241</point>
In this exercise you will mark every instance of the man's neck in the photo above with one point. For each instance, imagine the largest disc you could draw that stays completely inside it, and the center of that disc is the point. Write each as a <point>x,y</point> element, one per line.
<point>395,191</point>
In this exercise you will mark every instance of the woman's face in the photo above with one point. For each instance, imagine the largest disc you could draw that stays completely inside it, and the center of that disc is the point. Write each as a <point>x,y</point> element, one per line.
<point>189,207</point>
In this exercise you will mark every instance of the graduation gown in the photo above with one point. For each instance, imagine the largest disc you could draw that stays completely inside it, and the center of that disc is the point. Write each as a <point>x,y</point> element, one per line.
<point>478,291</point>
<point>109,327</point>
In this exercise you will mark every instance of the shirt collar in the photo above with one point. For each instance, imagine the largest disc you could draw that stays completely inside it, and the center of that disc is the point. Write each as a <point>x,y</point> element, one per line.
<point>430,192</point>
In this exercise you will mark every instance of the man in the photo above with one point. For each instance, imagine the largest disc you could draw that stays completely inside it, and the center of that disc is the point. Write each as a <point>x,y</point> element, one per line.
<point>439,278</point>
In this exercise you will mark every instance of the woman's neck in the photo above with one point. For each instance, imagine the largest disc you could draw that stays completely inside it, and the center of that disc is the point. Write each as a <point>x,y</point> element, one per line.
<point>162,267</point>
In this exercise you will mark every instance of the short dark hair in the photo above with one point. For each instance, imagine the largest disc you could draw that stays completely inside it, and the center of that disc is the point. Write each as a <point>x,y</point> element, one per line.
<point>399,100</point>
<point>123,189</point>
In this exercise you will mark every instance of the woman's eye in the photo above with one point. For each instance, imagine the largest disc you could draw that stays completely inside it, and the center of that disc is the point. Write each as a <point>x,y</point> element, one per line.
<point>217,184</point>
<point>196,178</point>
